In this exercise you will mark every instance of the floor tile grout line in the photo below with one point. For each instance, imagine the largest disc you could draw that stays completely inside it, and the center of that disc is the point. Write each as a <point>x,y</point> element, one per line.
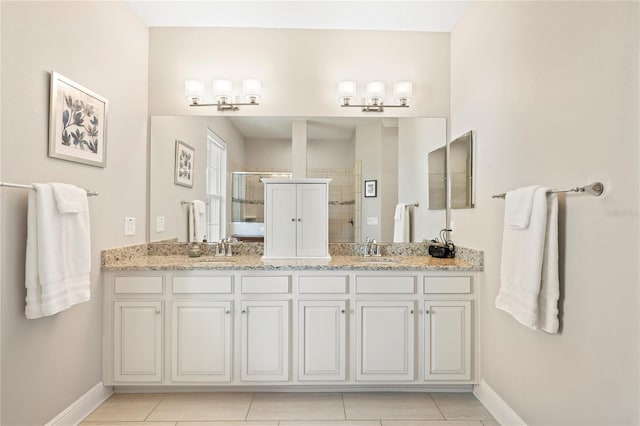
<point>437,406</point>
<point>164,395</point>
<point>246,416</point>
<point>344,408</point>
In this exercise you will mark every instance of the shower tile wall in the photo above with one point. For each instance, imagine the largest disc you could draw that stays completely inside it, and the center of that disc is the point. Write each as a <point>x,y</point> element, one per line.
<point>341,203</point>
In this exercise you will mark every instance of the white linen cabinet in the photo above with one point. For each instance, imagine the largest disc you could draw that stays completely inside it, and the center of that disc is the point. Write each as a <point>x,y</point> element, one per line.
<point>296,217</point>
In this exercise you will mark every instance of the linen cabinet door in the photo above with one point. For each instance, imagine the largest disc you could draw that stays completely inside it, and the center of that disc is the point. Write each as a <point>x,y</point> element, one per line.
<point>322,340</point>
<point>385,340</point>
<point>265,340</point>
<point>201,341</point>
<point>447,340</point>
<point>312,220</point>
<point>137,349</point>
<point>280,220</point>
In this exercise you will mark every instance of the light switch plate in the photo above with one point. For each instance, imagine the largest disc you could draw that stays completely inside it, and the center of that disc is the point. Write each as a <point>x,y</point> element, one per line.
<point>160,224</point>
<point>129,226</point>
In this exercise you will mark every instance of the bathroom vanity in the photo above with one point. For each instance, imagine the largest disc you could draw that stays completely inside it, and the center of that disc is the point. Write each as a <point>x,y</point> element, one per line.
<point>357,322</point>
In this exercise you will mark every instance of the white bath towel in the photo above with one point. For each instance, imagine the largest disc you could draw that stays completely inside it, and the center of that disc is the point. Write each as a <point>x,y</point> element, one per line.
<point>529,266</point>
<point>401,222</point>
<point>58,257</point>
<point>518,204</point>
<point>197,221</point>
<point>69,198</point>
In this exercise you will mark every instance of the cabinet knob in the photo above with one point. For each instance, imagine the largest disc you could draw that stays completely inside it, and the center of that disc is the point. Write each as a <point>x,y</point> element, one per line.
<point>244,311</point>
<point>412,311</point>
<point>299,220</point>
<point>226,312</point>
<point>158,310</point>
<point>342,311</point>
<point>427,311</point>
<point>293,219</point>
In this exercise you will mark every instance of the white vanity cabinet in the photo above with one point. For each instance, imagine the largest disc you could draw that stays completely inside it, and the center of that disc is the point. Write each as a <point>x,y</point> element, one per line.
<point>201,341</point>
<point>322,340</point>
<point>135,321</point>
<point>265,340</point>
<point>290,327</point>
<point>296,218</point>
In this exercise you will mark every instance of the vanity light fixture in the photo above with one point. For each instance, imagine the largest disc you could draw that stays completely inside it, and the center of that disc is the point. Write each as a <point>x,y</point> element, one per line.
<point>223,94</point>
<point>374,101</point>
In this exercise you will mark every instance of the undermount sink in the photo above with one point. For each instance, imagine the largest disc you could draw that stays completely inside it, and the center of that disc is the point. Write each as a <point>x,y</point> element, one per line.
<point>213,261</point>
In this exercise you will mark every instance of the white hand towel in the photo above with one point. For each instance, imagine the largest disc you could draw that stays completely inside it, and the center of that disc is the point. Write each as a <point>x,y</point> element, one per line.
<point>58,258</point>
<point>197,221</point>
<point>518,204</point>
<point>521,263</point>
<point>401,221</point>
<point>550,282</point>
<point>69,198</point>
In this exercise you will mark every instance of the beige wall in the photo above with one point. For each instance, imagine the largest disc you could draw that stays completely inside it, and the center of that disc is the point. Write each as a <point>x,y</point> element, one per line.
<point>299,69</point>
<point>48,363</point>
<point>551,88</point>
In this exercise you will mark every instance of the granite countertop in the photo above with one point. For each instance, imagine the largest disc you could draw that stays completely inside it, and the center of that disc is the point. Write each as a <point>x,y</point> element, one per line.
<point>254,262</point>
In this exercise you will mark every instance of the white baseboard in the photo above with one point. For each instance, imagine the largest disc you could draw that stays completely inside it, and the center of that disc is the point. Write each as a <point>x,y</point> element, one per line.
<point>82,407</point>
<point>498,408</point>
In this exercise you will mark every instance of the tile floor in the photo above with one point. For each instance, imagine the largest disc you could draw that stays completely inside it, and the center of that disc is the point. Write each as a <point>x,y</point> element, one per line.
<point>292,409</point>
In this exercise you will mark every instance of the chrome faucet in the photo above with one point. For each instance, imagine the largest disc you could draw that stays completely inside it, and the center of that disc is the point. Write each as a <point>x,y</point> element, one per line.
<point>371,248</point>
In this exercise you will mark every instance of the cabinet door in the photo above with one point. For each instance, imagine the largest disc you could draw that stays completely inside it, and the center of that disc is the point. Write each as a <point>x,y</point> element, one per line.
<point>265,340</point>
<point>280,220</point>
<point>137,341</point>
<point>447,340</point>
<point>201,341</point>
<point>385,340</point>
<point>321,340</point>
<point>312,220</point>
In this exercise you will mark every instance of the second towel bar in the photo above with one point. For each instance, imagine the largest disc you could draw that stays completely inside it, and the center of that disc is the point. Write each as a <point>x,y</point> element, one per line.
<point>596,188</point>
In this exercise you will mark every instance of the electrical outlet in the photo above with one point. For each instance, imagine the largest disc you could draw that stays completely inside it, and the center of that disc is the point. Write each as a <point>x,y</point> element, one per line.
<point>129,226</point>
<point>160,224</point>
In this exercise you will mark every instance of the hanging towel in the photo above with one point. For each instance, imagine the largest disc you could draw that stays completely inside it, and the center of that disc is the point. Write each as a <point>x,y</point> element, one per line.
<point>529,265</point>
<point>401,221</point>
<point>58,257</point>
<point>197,221</point>
<point>69,198</point>
<point>550,282</point>
<point>518,206</point>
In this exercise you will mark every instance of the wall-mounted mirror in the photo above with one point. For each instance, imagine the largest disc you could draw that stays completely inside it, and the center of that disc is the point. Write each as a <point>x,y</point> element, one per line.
<point>454,176</point>
<point>461,171</point>
<point>392,151</point>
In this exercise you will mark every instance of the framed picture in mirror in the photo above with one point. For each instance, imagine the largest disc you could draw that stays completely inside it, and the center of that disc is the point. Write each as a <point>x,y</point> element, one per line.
<point>184,164</point>
<point>370,188</point>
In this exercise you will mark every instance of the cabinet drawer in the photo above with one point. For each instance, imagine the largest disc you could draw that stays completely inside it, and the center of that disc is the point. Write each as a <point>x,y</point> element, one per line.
<point>206,285</point>
<point>266,284</point>
<point>386,285</point>
<point>447,285</point>
<point>322,284</point>
<point>150,285</point>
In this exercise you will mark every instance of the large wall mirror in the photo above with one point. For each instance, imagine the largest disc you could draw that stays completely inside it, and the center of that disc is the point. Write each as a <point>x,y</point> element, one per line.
<point>391,151</point>
<point>453,176</point>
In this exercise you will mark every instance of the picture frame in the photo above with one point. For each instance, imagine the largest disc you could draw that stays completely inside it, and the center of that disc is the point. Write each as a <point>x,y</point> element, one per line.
<point>77,123</point>
<point>185,158</point>
<point>370,188</point>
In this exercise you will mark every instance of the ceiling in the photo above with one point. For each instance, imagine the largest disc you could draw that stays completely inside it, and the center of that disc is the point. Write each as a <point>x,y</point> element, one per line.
<point>440,16</point>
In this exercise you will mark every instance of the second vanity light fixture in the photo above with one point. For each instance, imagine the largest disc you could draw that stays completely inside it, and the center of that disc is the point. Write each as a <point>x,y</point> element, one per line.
<point>223,94</point>
<point>374,101</point>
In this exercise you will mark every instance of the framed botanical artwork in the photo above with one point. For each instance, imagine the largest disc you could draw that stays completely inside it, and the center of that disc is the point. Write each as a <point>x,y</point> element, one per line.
<point>184,164</point>
<point>370,188</point>
<point>77,123</point>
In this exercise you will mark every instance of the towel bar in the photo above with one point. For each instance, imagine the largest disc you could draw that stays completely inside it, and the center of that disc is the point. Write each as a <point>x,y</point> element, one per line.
<point>596,188</point>
<point>90,193</point>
